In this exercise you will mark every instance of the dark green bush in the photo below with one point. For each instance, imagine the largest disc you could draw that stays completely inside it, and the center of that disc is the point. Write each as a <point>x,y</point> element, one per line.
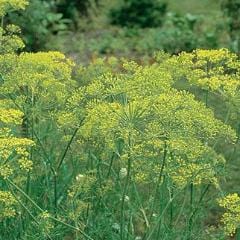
<point>139,13</point>
<point>76,10</point>
<point>71,8</point>
<point>38,22</point>
<point>231,9</point>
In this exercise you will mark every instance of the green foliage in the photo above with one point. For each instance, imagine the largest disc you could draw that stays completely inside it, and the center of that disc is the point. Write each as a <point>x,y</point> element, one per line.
<point>114,150</point>
<point>178,33</point>
<point>72,8</point>
<point>231,8</point>
<point>136,13</point>
<point>41,14</point>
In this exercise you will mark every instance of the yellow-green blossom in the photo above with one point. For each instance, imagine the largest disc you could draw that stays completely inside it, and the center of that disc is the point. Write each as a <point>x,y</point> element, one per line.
<point>12,5</point>
<point>7,205</point>
<point>231,217</point>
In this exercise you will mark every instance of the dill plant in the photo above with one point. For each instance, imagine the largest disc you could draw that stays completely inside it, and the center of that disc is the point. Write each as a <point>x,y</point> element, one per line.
<point>161,136</point>
<point>116,150</point>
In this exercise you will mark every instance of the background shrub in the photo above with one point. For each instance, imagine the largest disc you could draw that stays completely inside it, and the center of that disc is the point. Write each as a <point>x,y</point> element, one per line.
<point>231,9</point>
<point>139,13</point>
<point>38,22</point>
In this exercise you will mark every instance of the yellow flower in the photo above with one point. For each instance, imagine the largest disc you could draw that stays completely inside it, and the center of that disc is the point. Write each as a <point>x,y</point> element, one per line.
<point>11,5</point>
<point>7,205</point>
<point>231,218</point>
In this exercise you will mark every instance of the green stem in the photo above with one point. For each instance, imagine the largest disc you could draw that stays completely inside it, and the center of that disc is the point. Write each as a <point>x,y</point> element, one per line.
<point>110,166</point>
<point>125,192</point>
<point>28,211</point>
<point>159,179</point>
<point>56,173</point>
<point>41,210</point>
<point>67,148</point>
<point>55,193</point>
<point>171,208</point>
<point>190,223</point>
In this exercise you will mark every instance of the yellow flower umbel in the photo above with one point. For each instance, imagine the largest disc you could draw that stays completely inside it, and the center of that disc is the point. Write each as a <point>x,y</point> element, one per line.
<point>12,148</point>
<point>216,72</point>
<point>39,83</point>
<point>10,40</point>
<point>139,105</point>
<point>14,158</point>
<point>7,6</point>
<point>7,205</point>
<point>231,218</point>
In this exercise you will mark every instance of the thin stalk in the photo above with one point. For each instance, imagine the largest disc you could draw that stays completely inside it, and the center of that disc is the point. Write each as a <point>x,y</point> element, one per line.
<point>41,210</point>
<point>27,210</point>
<point>141,206</point>
<point>123,198</point>
<point>45,153</point>
<point>190,223</point>
<point>59,166</point>
<point>181,211</point>
<point>125,191</point>
<point>110,166</point>
<point>55,193</point>
<point>158,184</point>
<point>160,221</point>
<point>195,210</point>
<point>162,214</point>
<point>159,179</point>
<point>171,208</point>
<point>67,148</point>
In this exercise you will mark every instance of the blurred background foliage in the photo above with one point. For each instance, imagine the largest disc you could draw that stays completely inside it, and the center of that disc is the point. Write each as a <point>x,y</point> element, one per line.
<point>131,28</point>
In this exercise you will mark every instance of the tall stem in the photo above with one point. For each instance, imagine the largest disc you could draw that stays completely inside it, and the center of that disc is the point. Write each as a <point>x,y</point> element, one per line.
<point>159,178</point>
<point>192,207</point>
<point>41,210</point>
<point>125,189</point>
<point>60,162</point>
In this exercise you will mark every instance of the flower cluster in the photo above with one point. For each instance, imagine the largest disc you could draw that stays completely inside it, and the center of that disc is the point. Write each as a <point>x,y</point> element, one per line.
<point>11,146</point>
<point>10,40</point>
<point>140,108</point>
<point>7,205</point>
<point>215,71</point>
<point>231,218</point>
<point>7,6</point>
<point>127,127</point>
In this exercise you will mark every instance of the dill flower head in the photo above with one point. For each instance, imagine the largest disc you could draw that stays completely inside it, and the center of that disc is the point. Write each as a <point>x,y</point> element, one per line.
<point>11,146</point>
<point>10,116</point>
<point>7,205</point>
<point>11,40</point>
<point>12,5</point>
<point>213,70</point>
<point>231,217</point>
<point>137,112</point>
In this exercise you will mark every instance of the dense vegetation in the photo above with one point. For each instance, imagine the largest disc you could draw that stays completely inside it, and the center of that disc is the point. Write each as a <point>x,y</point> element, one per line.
<point>116,149</point>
